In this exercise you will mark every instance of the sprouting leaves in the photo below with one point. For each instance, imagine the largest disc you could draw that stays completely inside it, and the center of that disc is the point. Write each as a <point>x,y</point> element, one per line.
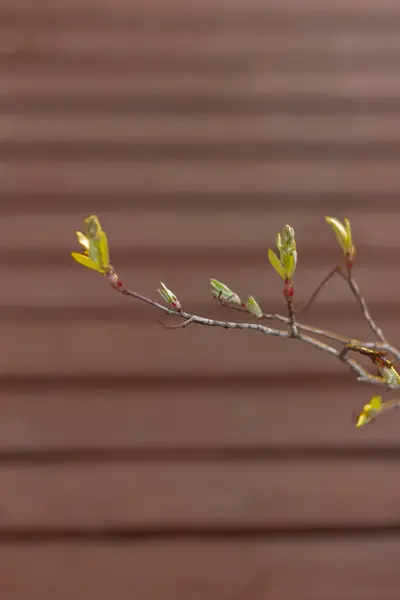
<point>343,235</point>
<point>222,292</point>
<point>370,411</point>
<point>285,264</point>
<point>169,296</point>
<point>390,375</point>
<point>254,308</point>
<point>95,255</point>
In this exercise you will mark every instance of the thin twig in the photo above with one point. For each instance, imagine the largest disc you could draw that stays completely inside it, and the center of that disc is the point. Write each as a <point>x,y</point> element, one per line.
<point>319,288</point>
<point>178,326</point>
<point>382,346</point>
<point>363,305</point>
<point>311,329</point>
<point>390,404</point>
<point>336,337</point>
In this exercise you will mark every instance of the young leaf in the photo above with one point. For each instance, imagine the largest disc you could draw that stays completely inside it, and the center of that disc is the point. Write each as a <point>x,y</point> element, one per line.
<point>254,308</point>
<point>276,263</point>
<point>169,296</point>
<point>343,234</point>
<point>220,290</point>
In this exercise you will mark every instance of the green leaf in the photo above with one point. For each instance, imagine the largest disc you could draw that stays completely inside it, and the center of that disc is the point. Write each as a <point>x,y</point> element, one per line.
<point>276,263</point>
<point>254,308</point>
<point>220,290</point>
<point>168,296</point>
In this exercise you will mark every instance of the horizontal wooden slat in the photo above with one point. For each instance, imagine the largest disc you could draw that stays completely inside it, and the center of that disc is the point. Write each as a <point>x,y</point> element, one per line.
<point>307,63</point>
<point>186,232</point>
<point>166,201</point>
<point>232,46</point>
<point>202,495</point>
<point>235,418</point>
<point>220,571</point>
<point>177,151</point>
<point>340,7</point>
<point>162,131</point>
<point>133,52</point>
<point>70,85</point>
<point>201,176</point>
<point>197,105</point>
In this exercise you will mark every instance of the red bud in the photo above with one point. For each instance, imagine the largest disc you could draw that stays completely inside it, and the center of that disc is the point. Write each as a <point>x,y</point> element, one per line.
<point>288,289</point>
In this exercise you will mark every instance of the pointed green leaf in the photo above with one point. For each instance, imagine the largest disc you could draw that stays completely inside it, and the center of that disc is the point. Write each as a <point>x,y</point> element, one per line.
<point>254,308</point>
<point>168,296</point>
<point>341,232</point>
<point>86,261</point>
<point>276,263</point>
<point>220,290</point>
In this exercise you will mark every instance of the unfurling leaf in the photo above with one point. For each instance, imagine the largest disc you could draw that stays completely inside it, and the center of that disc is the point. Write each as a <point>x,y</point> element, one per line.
<point>390,375</point>
<point>289,261</point>
<point>221,291</point>
<point>343,235</point>
<point>285,265</point>
<point>370,411</point>
<point>169,296</point>
<point>288,238</point>
<point>95,255</point>
<point>276,263</point>
<point>254,308</point>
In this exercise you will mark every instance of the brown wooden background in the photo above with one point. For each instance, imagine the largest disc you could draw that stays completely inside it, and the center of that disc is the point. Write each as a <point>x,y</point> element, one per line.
<point>195,464</point>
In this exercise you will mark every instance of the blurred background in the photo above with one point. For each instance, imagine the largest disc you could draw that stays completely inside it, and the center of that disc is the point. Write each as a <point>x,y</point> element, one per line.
<point>137,462</point>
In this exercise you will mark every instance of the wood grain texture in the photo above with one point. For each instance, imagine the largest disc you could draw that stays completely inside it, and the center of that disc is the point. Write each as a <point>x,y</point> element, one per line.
<point>204,496</point>
<point>220,570</point>
<point>70,85</point>
<point>285,6</point>
<point>25,47</point>
<point>250,417</point>
<point>285,176</point>
<point>164,131</point>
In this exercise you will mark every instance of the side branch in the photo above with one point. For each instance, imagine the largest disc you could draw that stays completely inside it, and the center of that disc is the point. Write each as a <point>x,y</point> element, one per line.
<point>349,278</point>
<point>319,288</point>
<point>363,305</point>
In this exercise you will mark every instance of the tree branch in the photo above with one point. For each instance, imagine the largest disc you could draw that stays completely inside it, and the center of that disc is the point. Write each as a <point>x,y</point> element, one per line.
<point>361,372</point>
